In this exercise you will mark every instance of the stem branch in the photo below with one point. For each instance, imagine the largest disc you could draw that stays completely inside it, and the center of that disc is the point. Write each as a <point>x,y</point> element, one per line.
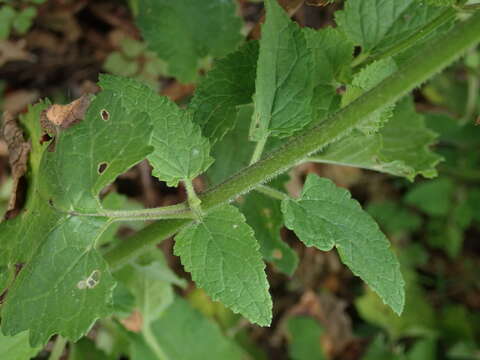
<point>429,60</point>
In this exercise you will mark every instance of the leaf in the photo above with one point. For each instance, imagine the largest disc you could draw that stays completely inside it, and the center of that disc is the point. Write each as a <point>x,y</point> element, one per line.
<point>222,255</point>
<point>401,148</point>
<point>65,182</point>
<point>284,86</point>
<point>17,347</point>
<point>325,217</point>
<point>304,333</point>
<point>150,280</point>
<point>228,162</point>
<point>426,197</point>
<point>393,217</point>
<point>378,25</point>
<point>418,317</point>
<point>86,349</point>
<point>64,288</point>
<point>365,80</point>
<point>263,214</point>
<point>332,54</point>
<point>65,284</point>
<point>183,333</point>
<point>183,32</point>
<point>181,152</point>
<point>229,84</point>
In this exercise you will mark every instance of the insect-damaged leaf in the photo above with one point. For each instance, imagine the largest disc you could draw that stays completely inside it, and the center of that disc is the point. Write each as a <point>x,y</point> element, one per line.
<point>181,152</point>
<point>325,217</point>
<point>223,257</point>
<point>65,285</point>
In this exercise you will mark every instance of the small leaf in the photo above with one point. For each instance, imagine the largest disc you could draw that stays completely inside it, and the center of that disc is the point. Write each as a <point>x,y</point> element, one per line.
<point>401,147</point>
<point>222,255</point>
<point>332,54</point>
<point>183,32</point>
<point>378,25</point>
<point>304,343</point>
<point>263,214</point>
<point>284,86</point>
<point>426,197</point>
<point>228,162</point>
<point>325,217</point>
<point>181,152</point>
<point>229,84</point>
<point>365,80</point>
<point>17,347</point>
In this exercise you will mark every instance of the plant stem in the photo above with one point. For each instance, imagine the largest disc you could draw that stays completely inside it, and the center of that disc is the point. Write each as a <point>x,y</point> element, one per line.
<point>428,61</point>
<point>193,199</point>
<point>257,153</point>
<point>58,348</point>
<point>178,211</point>
<point>271,192</point>
<point>153,343</point>
<point>472,97</point>
<point>427,29</point>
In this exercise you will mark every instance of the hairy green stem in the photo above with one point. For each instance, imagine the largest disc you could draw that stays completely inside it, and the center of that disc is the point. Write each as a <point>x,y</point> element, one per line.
<point>58,348</point>
<point>153,343</point>
<point>429,60</point>
<point>193,200</point>
<point>271,192</point>
<point>257,153</point>
<point>178,211</point>
<point>444,17</point>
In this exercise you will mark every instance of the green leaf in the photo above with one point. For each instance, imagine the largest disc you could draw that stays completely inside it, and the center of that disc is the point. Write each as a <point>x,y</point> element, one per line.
<point>150,280</point>
<point>439,2</point>
<point>64,288</point>
<point>183,333</point>
<point>365,80</point>
<point>228,162</point>
<point>181,152</point>
<point>7,16</point>
<point>65,284</point>
<point>223,257</point>
<point>183,32</point>
<point>284,85</point>
<point>426,197</point>
<point>263,214</point>
<point>378,25</point>
<point>103,159</point>
<point>394,218</point>
<point>24,18</point>
<point>17,347</point>
<point>86,349</point>
<point>325,217</point>
<point>304,333</point>
<point>229,84</point>
<point>332,54</point>
<point>401,148</point>
<point>418,317</point>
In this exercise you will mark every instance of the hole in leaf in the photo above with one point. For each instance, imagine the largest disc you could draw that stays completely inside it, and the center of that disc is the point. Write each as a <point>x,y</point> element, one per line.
<point>105,115</point>
<point>102,167</point>
<point>90,282</point>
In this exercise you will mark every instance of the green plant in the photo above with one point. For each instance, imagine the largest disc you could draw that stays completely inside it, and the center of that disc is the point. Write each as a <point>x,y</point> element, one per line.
<point>68,281</point>
<point>17,16</point>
